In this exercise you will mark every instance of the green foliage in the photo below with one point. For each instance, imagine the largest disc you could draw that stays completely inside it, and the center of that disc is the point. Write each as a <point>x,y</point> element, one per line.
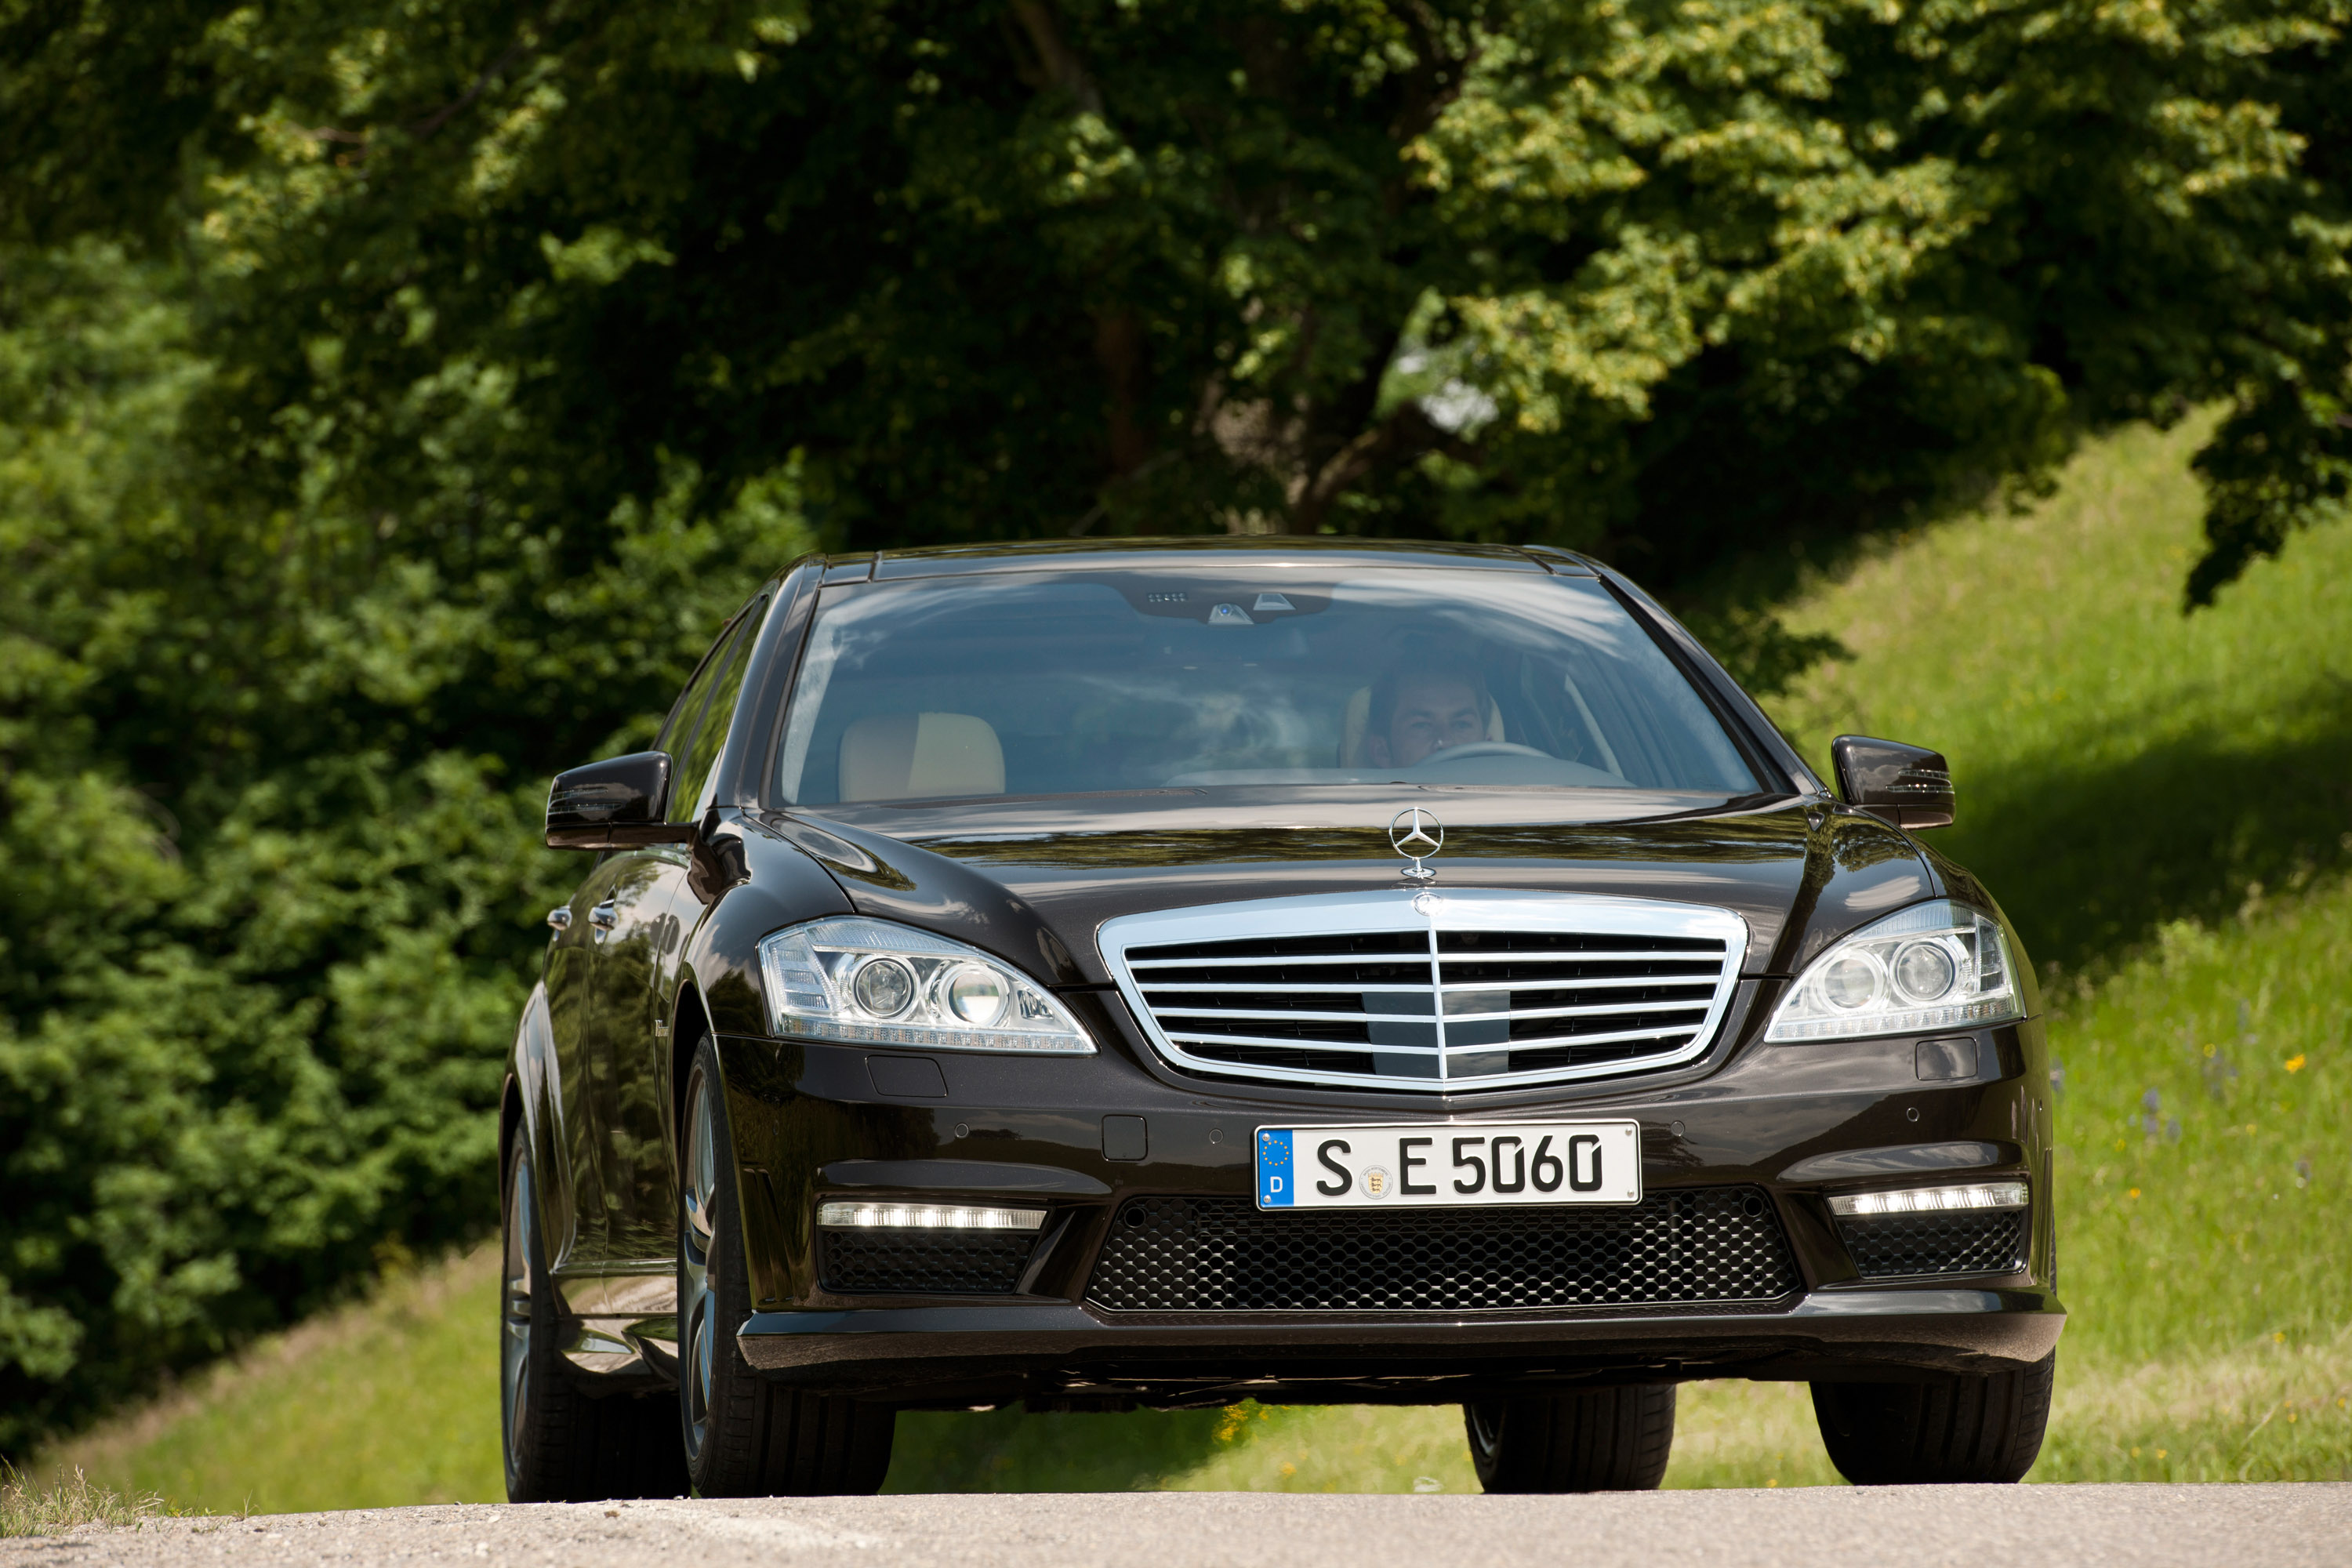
<point>1676,281</point>
<point>271,780</point>
<point>393,397</point>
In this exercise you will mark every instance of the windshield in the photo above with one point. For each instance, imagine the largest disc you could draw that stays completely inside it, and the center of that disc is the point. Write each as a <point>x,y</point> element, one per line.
<point>1068,682</point>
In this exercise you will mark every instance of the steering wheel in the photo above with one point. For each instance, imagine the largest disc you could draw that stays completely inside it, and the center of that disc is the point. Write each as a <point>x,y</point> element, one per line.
<point>1472,750</point>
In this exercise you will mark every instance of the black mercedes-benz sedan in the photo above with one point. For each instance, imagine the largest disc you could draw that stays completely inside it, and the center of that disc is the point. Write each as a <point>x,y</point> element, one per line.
<point>1169,973</point>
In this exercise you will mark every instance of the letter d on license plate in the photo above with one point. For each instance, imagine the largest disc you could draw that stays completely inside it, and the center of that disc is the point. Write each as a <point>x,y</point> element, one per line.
<point>1477,1164</point>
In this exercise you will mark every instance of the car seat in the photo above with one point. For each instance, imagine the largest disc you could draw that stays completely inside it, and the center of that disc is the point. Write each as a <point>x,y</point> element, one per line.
<point>920,756</point>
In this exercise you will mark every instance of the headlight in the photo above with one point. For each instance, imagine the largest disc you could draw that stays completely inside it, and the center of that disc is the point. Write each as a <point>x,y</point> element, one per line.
<point>873,983</point>
<point>1932,966</point>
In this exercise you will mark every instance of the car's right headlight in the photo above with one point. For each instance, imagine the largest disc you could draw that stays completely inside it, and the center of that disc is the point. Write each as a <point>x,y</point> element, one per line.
<point>869,982</point>
<point>1937,965</point>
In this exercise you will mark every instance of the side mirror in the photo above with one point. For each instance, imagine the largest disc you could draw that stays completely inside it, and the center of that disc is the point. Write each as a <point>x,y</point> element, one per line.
<point>1904,786</point>
<point>613,805</point>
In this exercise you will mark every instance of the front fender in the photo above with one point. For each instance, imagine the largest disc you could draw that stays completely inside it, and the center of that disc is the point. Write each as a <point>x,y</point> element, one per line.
<point>539,1084</point>
<point>779,884</point>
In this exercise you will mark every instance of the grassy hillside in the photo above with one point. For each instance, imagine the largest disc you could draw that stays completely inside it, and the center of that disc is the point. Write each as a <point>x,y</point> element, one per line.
<point>2121,766</point>
<point>2164,803</point>
<point>391,1401</point>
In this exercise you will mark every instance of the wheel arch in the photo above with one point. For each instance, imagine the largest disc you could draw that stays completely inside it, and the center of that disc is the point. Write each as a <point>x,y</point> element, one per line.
<point>532,1108</point>
<point>689,1025</point>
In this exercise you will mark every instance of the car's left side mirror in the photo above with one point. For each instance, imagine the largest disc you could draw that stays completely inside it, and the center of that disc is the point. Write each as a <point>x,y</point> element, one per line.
<point>1907,786</point>
<point>616,804</point>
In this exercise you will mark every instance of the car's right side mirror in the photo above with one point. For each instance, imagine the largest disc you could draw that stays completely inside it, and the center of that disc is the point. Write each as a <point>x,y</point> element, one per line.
<point>1907,786</point>
<point>613,805</point>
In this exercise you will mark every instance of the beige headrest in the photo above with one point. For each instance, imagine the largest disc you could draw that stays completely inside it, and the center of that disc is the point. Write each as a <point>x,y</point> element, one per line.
<point>920,756</point>
<point>1358,717</point>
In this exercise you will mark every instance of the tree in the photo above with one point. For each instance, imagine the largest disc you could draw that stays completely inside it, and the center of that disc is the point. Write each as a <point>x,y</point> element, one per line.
<point>1664,280</point>
<point>272,884</point>
<point>395,395</point>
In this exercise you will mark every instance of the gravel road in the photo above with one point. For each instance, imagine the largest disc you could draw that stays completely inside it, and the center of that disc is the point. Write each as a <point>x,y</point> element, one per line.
<point>2049,1526</point>
<point>1967,1527</point>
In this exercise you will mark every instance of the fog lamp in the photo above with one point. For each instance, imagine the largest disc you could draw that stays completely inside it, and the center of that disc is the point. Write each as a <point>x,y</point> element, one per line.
<point>925,1216</point>
<point>1930,1200</point>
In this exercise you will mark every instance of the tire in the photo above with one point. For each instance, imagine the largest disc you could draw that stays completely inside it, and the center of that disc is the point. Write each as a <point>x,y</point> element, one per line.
<point>745,1436</point>
<point>1952,1429</point>
<point>1596,1440</point>
<point>563,1444</point>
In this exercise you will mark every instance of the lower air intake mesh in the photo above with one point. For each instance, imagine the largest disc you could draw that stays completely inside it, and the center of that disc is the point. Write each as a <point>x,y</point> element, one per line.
<point>1895,1246</point>
<point>1712,1246</point>
<point>868,1262</point>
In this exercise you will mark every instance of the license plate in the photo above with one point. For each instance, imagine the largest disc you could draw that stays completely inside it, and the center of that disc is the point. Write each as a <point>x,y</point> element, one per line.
<point>1497,1163</point>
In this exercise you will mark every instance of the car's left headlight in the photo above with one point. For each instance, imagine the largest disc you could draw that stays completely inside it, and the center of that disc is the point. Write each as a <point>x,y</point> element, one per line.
<point>871,982</point>
<point>1937,965</point>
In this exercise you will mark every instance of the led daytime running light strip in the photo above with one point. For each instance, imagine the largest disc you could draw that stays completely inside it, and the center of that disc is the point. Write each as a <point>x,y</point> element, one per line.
<point>937,1039</point>
<point>925,1216</point>
<point>1909,1021</point>
<point>1931,1200</point>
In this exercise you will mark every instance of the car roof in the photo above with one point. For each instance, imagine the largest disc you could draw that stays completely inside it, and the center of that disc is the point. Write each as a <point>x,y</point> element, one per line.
<point>1205,553</point>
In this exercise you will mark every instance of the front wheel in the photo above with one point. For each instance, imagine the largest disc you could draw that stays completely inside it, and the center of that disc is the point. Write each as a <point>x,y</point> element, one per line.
<point>746,1437</point>
<point>1594,1440</point>
<point>561,1444</point>
<point>1955,1428</point>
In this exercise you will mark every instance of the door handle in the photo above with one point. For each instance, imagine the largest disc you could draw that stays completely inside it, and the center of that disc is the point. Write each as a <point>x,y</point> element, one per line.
<point>604,916</point>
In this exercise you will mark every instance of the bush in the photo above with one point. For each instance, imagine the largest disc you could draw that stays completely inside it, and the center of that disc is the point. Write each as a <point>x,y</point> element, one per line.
<point>269,792</point>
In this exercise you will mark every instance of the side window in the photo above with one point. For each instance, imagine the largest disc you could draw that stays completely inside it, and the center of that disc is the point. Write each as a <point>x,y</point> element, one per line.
<point>678,727</point>
<point>721,678</point>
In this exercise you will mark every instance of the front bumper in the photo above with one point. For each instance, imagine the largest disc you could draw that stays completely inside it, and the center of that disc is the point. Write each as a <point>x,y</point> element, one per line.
<point>967,1353</point>
<point>1791,1123</point>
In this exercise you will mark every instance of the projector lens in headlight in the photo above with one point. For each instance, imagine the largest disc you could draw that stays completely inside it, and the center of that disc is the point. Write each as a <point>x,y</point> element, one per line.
<point>976,994</point>
<point>925,1216</point>
<point>1937,965</point>
<point>1924,972</point>
<point>884,986</point>
<point>1930,1200</point>
<point>1851,982</point>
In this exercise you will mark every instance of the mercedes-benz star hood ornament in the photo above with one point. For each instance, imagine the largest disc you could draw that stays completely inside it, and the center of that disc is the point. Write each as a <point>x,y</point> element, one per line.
<point>1416,835</point>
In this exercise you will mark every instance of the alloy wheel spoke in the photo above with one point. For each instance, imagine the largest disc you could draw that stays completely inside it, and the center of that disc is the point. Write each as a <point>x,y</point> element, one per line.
<point>695,1241</point>
<point>514,1359</point>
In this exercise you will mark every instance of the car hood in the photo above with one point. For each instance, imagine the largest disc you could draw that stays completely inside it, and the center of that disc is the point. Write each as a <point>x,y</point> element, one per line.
<point>1033,881</point>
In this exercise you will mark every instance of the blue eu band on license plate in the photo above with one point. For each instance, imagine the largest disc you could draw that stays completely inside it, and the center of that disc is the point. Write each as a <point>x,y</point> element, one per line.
<point>1476,1164</point>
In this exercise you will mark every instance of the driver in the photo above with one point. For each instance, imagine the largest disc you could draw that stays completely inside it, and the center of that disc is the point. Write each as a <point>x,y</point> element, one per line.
<point>1418,711</point>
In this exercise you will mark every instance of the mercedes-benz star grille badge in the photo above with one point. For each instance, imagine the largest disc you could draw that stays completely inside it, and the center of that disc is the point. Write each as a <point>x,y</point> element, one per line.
<point>1416,836</point>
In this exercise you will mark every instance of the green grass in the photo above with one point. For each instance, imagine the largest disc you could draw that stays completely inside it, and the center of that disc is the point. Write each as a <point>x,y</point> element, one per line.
<point>2161,801</point>
<point>64,1502</point>
<point>2120,765</point>
<point>2204,1133</point>
<point>390,1401</point>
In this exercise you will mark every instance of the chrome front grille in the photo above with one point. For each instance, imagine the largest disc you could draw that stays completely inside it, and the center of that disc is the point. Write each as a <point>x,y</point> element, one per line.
<point>1432,991</point>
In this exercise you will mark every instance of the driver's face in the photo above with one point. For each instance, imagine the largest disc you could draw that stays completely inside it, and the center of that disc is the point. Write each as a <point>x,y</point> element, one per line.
<point>1431,715</point>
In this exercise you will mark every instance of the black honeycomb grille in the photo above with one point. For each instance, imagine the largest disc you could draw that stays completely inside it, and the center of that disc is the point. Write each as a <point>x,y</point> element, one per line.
<point>870,1262</point>
<point>1714,1245</point>
<point>1891,1246</point>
